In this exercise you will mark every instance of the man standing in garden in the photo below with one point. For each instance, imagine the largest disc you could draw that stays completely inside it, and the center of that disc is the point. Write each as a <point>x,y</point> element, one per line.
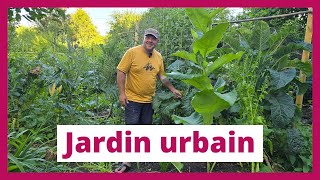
<point>137,73</point>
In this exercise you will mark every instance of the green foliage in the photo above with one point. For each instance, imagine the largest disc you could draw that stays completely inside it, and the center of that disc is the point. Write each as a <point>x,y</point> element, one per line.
<point>304,160</point>
<point>34,14</point>
<point>165,165</point>
<point>120,38</point>
<point>27,151</point>
<point>25,40</point>
<point>269,69</point>
<point>163,105</point>
<point>30,151</point>
<point>243,73</point>
<point>53,80</point>
<point>305,67</point>
<point>295,141</point>
<point>296,23</point>
<point>292,148</point>
<point>199,18</point>
<point>282,78</point>
<point>265,79</point>
<point>85,33</point>
<point>100,167</point>
<point>174,28</point>
<point>226,58</point>
<point>207,102</point>
<point>282,109</point>
<point>178,165</point>
<point>47,88</point>
<point>20,152</point>
<point>209,41</point>
<point>122,31</point>
<point>194,119</point>
<point>260,36</point>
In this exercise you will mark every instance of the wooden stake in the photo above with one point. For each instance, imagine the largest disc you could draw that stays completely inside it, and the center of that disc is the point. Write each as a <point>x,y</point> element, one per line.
<point>305,56</point>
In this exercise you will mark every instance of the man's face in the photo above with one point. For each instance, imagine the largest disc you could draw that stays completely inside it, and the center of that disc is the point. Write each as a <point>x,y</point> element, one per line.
<point>150,42</point>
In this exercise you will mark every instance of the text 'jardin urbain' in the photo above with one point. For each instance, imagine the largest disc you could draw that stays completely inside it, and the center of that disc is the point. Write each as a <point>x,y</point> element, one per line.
<point>192,143</point>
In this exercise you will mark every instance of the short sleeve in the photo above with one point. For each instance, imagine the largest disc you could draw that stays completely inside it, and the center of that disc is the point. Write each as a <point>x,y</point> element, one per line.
<point>126,61</point>
<point>161,70</point>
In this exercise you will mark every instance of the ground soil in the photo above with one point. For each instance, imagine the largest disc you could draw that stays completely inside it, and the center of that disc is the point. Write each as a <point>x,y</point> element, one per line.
<point>192,167</point>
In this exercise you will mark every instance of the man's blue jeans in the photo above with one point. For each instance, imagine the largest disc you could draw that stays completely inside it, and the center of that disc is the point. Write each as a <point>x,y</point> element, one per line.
<point>138,113</point>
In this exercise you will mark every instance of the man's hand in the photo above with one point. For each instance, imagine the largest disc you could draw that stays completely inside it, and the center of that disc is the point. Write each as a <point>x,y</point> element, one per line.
<point>177,94</point>
<point>123,100</point>
<point>166,82</point>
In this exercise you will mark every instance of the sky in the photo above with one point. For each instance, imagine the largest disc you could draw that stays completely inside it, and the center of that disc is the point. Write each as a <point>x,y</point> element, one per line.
<point>101,16</point>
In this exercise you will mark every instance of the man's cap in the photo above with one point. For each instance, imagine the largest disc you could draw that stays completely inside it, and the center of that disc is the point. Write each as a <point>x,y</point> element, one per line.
<point>152,32</point>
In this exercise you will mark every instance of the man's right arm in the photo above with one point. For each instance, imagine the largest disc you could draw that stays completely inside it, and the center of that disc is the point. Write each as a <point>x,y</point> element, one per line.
<point>121,78</point>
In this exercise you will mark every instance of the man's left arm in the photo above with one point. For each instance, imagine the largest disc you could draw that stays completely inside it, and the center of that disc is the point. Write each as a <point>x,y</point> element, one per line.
<point>165,81</point>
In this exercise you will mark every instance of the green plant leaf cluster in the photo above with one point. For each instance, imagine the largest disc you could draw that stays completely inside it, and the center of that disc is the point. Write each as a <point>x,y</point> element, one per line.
<point>206,102</point>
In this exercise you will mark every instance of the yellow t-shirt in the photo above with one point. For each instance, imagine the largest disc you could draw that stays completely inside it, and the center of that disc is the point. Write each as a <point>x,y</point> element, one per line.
<point>141,71</point>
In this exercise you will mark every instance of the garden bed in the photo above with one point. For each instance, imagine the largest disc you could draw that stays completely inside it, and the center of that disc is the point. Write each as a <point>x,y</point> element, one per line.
<point>192,167</point>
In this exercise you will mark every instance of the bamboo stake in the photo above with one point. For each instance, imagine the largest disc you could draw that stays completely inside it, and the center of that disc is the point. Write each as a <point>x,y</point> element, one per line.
<point>305,56</point>
<point>267,17</point>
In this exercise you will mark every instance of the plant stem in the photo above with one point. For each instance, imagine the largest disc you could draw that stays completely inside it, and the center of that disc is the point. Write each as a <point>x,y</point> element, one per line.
<point>213,165</point>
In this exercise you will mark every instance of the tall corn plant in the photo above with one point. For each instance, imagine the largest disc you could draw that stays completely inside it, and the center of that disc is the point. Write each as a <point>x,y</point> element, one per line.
<point>209,100</point>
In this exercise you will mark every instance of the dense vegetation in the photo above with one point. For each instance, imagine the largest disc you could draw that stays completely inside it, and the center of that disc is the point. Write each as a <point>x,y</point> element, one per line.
<point>62,71</point>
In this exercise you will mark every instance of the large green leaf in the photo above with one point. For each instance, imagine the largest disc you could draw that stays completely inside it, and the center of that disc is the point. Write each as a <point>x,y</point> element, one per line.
<point>209,41</point>
<point>177,65</point>
<point>281,79</point>
<point>277,39</point>
<point>282,109</point>
<point>209,103</point>
<point>305,67</point>
<point>260,36</point>
<point>194,119</point>
<point>197,80</point>
<point>301,87</point>
<point>223,60</point>
<point>245,36</point>
<point>163,95</point>
<point>291,47</point>
<point>199,17</point>
<point>201,83</point>
<point>306,46</point>
<point>166,108</point>
<point>177,75</point>
<point>186,55</point>
<point>229,97</point>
